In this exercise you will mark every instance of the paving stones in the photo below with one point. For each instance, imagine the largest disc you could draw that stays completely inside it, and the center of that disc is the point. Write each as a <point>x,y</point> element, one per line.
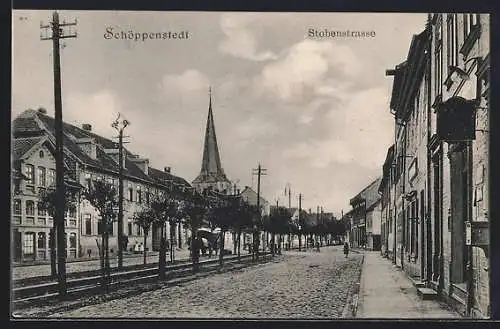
<point>291,288</point>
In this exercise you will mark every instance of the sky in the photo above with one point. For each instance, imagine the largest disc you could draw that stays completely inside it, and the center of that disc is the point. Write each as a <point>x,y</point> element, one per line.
<point>313,111</point>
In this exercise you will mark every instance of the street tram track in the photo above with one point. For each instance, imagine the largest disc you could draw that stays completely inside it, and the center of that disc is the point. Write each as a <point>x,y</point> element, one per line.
<point>38,293</point>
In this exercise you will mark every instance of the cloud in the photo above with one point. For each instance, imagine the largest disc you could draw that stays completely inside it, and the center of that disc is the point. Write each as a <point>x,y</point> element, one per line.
<point>240,41</point>
<point>103,105</point>
<point>189,81</point>
<point>304,68</point>
<point>360,134</point>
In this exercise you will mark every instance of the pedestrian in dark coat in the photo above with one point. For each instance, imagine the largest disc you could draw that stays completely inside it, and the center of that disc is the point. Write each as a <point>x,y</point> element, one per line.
<point>346,249</point>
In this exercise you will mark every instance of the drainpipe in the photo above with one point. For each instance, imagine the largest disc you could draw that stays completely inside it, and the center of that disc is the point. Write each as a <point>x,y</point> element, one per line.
<point>403,224</point>
<point>469,270</point>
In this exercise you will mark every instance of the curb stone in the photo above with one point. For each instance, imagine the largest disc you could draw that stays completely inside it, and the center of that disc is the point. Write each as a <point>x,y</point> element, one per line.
<point>352,303</point>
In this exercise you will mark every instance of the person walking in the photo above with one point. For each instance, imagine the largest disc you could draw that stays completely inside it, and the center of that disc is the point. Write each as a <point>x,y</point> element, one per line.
<point>346,249</point>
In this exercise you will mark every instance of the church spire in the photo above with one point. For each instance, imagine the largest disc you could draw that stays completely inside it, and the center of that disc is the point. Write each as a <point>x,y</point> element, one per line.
<point>211,168</point>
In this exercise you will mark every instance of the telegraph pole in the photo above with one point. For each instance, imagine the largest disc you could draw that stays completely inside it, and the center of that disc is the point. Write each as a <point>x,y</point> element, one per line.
<point>259,172</point>
<point>57,34</point>
<point>120,125</point>
<point>300,222</point>
<point>288,191</point>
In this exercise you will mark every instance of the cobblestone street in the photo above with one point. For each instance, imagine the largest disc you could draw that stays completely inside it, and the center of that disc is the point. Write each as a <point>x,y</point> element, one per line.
<point>297,285</point>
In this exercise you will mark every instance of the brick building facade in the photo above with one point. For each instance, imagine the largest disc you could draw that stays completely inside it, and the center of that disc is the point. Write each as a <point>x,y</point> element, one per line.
<point>441,166</point>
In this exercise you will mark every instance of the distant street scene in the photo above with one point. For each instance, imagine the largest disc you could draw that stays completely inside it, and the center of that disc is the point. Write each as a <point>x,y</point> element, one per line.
<point>250,165</point>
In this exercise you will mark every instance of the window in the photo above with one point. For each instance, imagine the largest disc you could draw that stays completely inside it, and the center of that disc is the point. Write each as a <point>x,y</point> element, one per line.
<point>41,154</point>
<point>129,228</point>
<point>17,207</point>
<point>41,241</point>
<point>30,208</point>
<point>110,228</point>
<point>41,210</point>
<point>29,171</point>
<point>41,176</point>
<point>99,226</point>
<point>72,211</point>
<point>438,58</point>
<point>130,194</point>
<point>139,194</point>
<point>451,41</point>
<point>88,224</point>
<point>51,177</point>
<point>147,196</point>
<point>138,229</point>
<point>72,240</point>
<point>29,243</point>
<point>470,20</point>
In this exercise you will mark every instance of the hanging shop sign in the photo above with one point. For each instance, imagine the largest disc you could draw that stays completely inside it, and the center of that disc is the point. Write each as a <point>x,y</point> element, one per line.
<point>456,119</point>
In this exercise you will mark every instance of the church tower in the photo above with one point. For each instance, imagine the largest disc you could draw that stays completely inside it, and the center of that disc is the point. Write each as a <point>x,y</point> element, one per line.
<point>212,175</point>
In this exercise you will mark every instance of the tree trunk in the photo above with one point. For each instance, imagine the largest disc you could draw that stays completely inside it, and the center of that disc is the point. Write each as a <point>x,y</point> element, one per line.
<point>172,244</point>
<point>221,249</point>
<point>145,239</point>
<point>195,253</point>
<point>100,248</point>
<point>53,253</point>
<point>300,242</point>
<point>239,245</point>
<point>108,270</point>
<point>235,243</point>
<point>162,254</point>
<point>272,244</point>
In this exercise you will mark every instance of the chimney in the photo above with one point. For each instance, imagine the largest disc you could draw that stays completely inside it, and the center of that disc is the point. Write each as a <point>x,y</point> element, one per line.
<point>167,170</point>
<point>115,155</point>
<point>89,146</point>
<point>87,127</point>
<point>42,110</point>
<point>142,163</point>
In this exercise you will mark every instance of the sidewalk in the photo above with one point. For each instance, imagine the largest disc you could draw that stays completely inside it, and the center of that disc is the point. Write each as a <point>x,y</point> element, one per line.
<point>386,292</point>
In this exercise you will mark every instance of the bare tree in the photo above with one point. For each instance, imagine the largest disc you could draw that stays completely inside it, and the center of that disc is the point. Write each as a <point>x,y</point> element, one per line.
<point>48,202</point>
<point>144,218</point>
<point>103,197</point>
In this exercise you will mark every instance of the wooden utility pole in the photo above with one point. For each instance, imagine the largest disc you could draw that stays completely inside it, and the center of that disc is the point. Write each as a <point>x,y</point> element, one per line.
<point>259,172</point>
<point>120,125</point>
<point>288,191</point>
<point>300,221</point>
<point>57,34</point>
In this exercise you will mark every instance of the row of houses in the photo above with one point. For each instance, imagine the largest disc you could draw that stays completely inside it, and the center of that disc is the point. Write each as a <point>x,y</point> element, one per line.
<point>434,192</point>
<point>88,157</point>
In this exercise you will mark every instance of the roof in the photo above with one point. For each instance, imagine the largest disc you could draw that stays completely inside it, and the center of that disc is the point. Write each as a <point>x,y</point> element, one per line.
<point>389,158</point>
<point>211,168</point>
<point>369,194</point>
<point>161,177</point>
<point>249,190</point>
<point>21,146</point>
<point>408,74</point>
<point>33,123</point>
